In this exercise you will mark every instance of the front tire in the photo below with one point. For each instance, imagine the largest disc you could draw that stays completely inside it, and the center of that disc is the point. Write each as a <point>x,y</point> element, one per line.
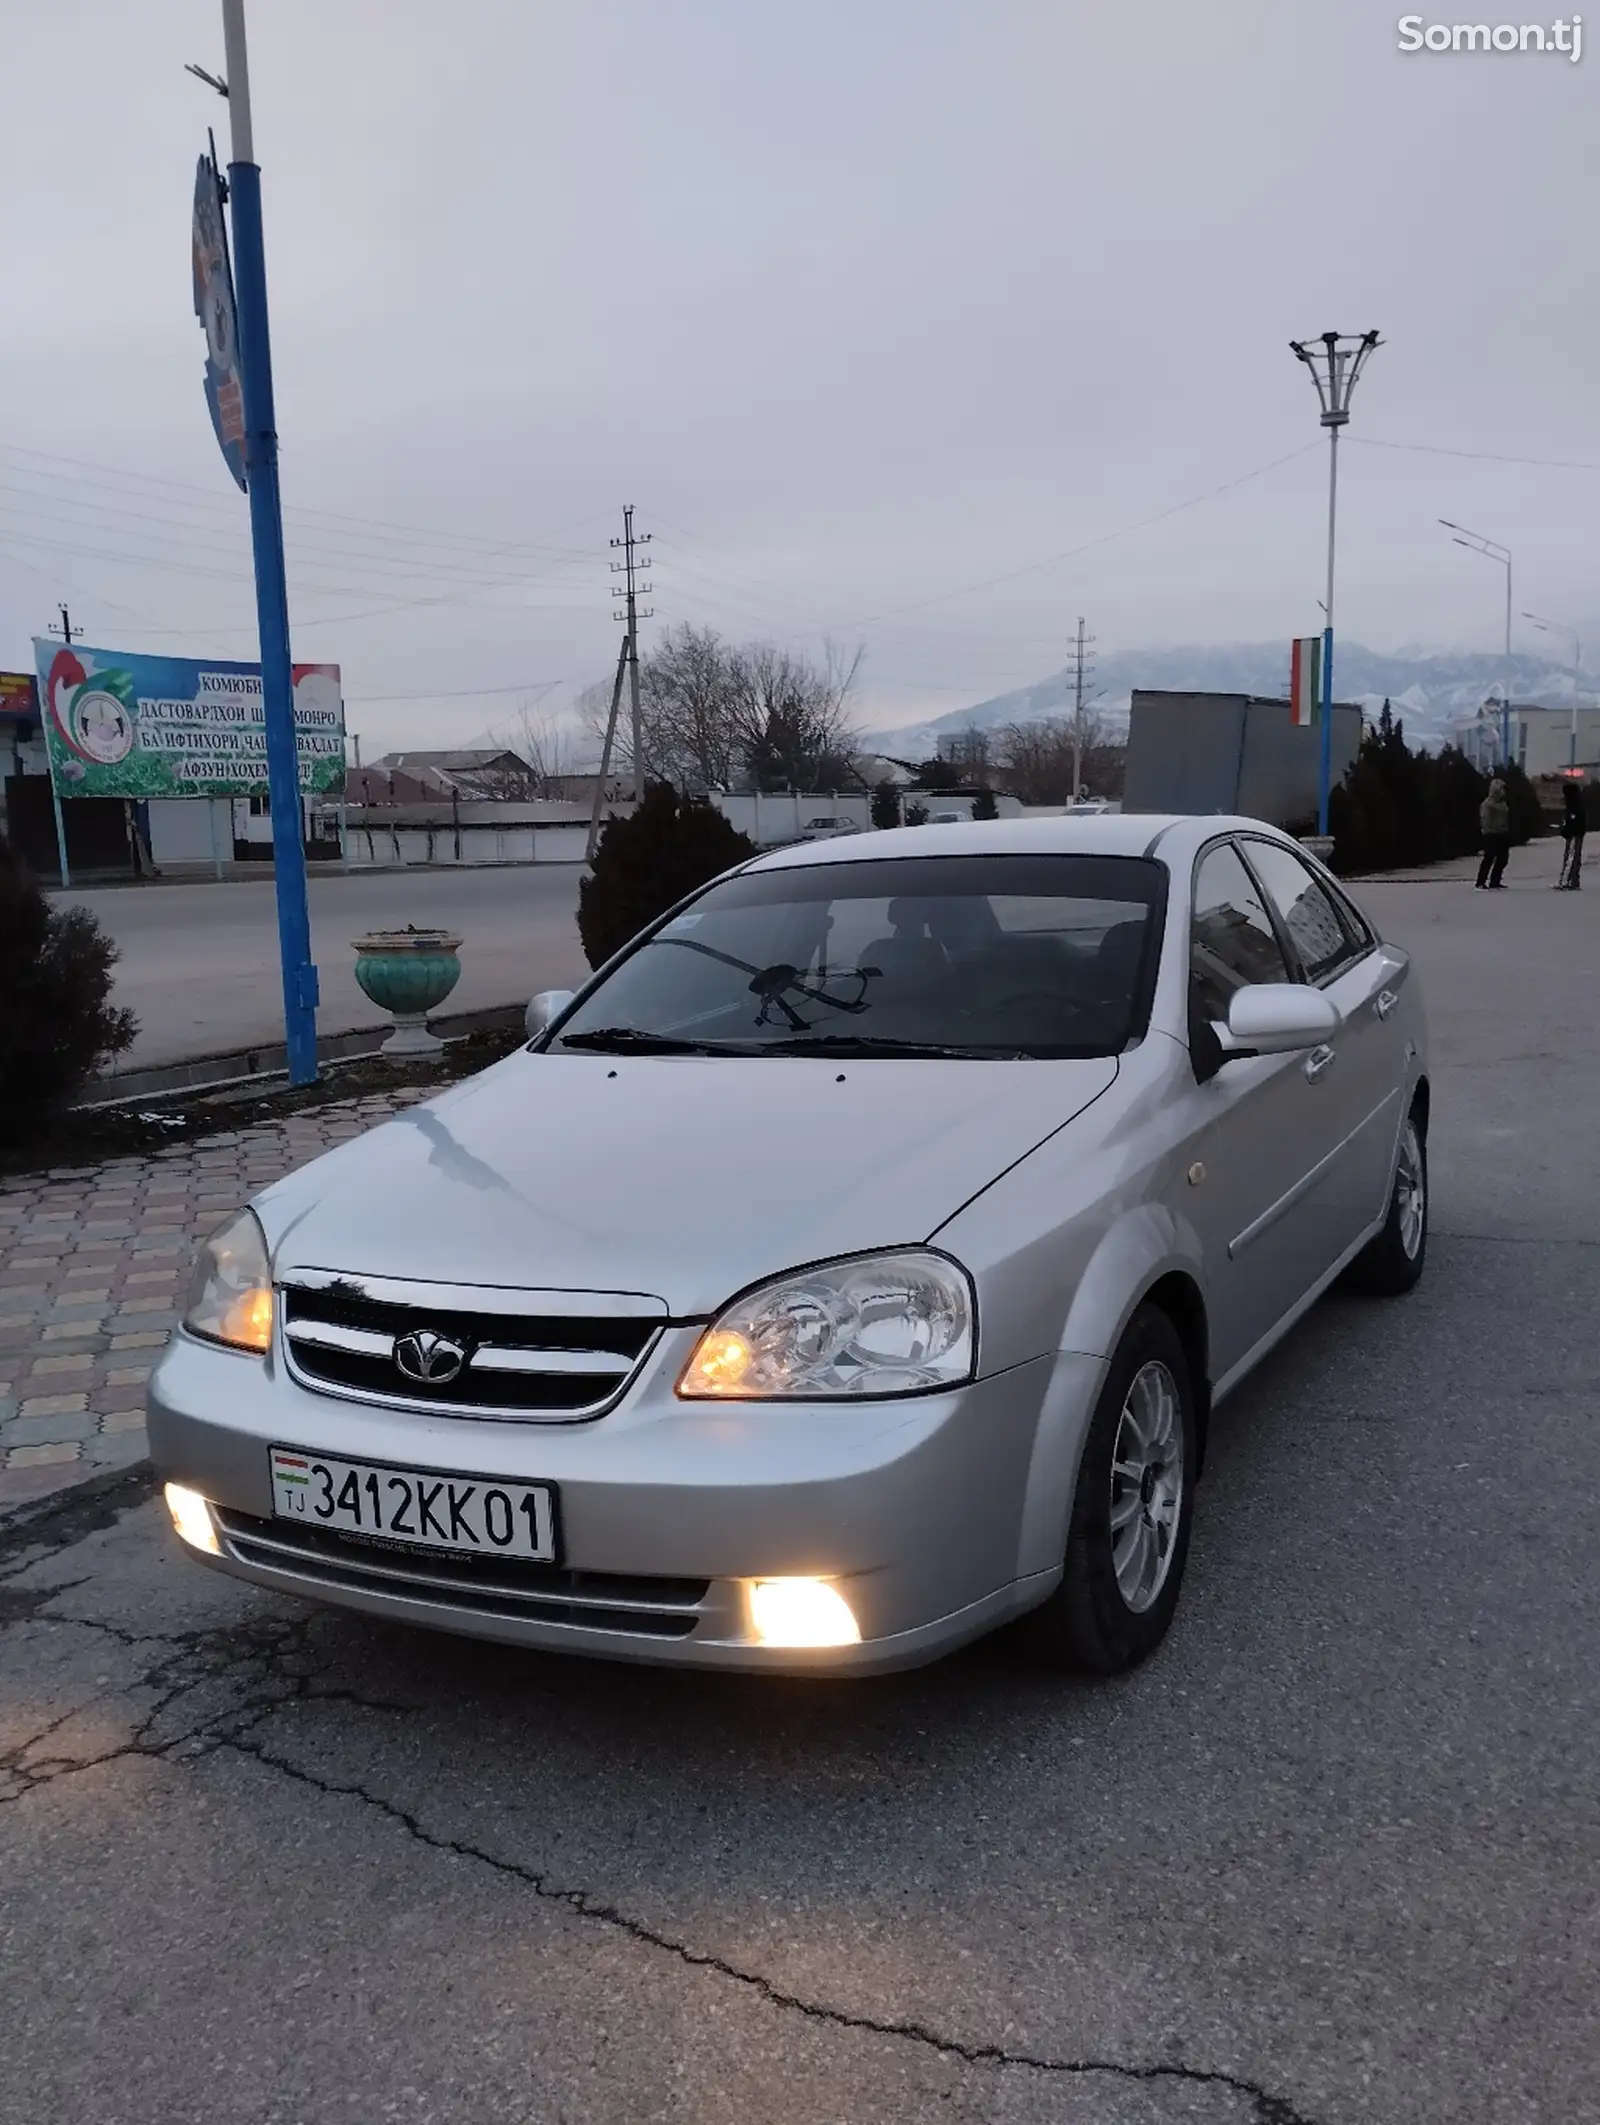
<point>1391,1264</point>
<point>1131,1512</point>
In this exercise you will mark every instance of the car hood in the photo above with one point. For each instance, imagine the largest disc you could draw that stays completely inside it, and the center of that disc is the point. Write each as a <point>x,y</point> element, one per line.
<point>683,1177</point>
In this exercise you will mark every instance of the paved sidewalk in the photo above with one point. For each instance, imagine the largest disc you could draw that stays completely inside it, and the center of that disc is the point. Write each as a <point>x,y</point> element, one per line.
<point>94,1263</point>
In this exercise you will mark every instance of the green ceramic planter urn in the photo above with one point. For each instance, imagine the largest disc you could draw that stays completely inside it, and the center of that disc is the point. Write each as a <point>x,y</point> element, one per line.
<point>408,973</point>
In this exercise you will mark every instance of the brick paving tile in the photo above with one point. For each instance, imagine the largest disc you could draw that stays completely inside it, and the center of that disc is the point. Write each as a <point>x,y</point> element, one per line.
<point>48,1431</point>
<point>42,1456</point>
<point>96,1259</point>
<point>53,1405</point>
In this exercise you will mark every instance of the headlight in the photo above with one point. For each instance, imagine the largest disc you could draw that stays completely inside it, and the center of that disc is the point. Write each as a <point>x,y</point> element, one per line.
<point>230,1297</point>
<point>883,1324</point>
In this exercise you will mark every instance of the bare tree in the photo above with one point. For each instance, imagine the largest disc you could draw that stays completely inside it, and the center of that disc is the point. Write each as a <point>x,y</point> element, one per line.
<point>715,712</point>
<point>1035,759</point>
<point>544,750</point>
<point>692,700</point>
<point>793,720</point>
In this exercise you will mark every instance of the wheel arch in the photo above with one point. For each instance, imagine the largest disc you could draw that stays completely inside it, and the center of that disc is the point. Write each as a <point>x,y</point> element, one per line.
<point>1177,1295</point>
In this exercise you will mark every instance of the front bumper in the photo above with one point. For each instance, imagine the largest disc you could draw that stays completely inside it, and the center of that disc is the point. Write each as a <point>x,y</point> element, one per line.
<point>918,1509</point>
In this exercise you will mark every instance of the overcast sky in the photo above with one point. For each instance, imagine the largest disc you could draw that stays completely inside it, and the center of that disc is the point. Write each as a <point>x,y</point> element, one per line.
<point>863,303</point>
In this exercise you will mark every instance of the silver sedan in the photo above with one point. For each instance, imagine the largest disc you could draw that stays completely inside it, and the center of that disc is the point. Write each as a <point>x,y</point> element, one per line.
<point>853,1266</point>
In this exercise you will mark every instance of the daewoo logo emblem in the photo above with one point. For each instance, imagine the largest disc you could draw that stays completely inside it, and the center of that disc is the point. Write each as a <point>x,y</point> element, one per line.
<point>430,1358</point>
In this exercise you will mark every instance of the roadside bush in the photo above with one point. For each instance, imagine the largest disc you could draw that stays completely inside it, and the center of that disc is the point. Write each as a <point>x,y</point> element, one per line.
<point>885,804</point>
<point>984,806</point>
<point>1396,809</point>
<point>57,1022</point>
<point>646,863</point>
<point>916,815</point>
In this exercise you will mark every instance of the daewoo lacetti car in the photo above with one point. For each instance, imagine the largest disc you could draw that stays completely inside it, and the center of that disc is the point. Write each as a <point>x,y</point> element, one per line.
<point>853,1265</point>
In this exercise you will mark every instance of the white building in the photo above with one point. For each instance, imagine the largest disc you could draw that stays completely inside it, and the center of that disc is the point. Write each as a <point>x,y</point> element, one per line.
<point>1544,741</point>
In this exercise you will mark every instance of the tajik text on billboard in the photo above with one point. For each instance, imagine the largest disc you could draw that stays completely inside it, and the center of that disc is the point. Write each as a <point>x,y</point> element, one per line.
<point>122,725</point>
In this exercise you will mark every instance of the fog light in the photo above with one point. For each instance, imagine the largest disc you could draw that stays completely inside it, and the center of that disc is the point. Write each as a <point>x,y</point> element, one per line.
<point>191,1516</point>
<point>798,1612</point>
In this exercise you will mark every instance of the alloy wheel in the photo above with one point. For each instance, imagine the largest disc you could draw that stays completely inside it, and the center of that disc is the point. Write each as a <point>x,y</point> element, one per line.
<point>1146,1485</point>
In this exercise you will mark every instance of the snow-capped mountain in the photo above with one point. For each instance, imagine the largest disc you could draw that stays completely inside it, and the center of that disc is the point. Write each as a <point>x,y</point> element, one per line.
<point>1431,691</point>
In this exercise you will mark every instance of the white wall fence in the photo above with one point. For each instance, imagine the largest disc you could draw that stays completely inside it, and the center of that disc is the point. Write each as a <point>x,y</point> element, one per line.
<point>194,832</point>
<point>785,816</point>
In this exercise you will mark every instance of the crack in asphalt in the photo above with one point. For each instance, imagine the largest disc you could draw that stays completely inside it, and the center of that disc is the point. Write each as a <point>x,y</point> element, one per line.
<point>271,1667</point>
<point>1266,2108</point>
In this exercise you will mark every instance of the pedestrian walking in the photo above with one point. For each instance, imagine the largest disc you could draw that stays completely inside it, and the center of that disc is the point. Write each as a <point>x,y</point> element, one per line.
<point>1574,820</point>
<point>1494,824</point>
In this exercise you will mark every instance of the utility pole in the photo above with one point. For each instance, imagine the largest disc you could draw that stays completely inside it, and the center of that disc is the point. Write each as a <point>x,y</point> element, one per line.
<point>632,591</point>
<point>1335,361</point>
<point>605,757</point>
<point>65,629</point>
<point>1082,658</point>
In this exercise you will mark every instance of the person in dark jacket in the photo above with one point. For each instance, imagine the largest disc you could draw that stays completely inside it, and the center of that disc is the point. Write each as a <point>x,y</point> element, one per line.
<point>1494,823</point>
<point>1574,820</point>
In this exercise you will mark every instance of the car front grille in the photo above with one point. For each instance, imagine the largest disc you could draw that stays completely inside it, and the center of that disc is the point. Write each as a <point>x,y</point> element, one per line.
<point>504,1587</point>
<point>498,1353</point>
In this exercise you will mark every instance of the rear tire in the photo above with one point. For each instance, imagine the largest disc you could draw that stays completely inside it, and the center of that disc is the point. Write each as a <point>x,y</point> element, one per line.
<point>1391,1264</point>
<point>1131,1511</point>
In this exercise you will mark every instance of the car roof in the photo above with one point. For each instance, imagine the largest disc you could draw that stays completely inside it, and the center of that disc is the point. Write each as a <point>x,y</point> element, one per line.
<point>1170,838</point>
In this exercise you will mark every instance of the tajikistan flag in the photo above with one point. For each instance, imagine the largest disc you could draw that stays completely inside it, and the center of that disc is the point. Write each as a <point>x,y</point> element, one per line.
<point>1305,679</point>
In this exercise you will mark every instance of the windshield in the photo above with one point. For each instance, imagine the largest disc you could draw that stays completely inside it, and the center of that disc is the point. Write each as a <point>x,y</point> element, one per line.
<point>953,955</point>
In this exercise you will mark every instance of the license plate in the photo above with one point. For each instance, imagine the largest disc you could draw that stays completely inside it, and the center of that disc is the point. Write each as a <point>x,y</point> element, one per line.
<point>471,1516</point>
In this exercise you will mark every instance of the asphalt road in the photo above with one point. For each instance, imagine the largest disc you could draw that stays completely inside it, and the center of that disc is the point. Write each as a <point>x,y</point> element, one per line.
<point>1330,1859</point>
<point>199,963</point>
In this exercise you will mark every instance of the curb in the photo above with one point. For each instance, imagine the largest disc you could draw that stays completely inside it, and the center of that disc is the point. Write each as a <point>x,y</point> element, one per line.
<point>269,1059</point>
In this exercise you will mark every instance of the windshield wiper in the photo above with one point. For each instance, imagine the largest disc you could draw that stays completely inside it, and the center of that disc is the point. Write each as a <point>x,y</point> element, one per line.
<point>879,1044</point>
<point>628,1040</point>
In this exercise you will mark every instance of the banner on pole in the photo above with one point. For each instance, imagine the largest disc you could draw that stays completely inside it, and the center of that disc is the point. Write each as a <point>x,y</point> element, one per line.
<point>1305,677</point>
<point>121,725</point>
<point>213,305</point>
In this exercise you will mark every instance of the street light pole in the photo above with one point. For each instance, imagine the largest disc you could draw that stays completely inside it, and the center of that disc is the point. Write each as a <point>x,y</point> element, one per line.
<point>1554,627</point>
<point>1335,361</point>
<point>1492,550</point>
<point>266,539</point>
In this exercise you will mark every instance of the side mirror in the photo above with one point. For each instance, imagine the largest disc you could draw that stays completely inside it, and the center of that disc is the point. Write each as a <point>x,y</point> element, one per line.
<point>1277,1018</point>
<point>545,1009</point>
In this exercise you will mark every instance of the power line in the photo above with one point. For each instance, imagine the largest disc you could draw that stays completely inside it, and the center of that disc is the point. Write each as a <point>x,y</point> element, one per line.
<point>208,498</point>
<point>459,693</point>
<point>1483,457</point>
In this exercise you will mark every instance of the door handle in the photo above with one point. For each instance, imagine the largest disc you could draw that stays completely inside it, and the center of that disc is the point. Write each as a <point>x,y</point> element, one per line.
<point>1317,1062</point>
<point>1386,1002</point>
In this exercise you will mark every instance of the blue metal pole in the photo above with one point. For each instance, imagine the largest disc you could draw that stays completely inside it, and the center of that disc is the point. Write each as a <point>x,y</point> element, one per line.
<point>1325,762</point>
<point>272,604</point>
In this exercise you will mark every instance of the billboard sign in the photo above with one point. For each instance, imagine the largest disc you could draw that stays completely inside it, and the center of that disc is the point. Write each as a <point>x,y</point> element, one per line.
<point>121,725</point>
<point>213,305</point>
<point>18,695</point>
